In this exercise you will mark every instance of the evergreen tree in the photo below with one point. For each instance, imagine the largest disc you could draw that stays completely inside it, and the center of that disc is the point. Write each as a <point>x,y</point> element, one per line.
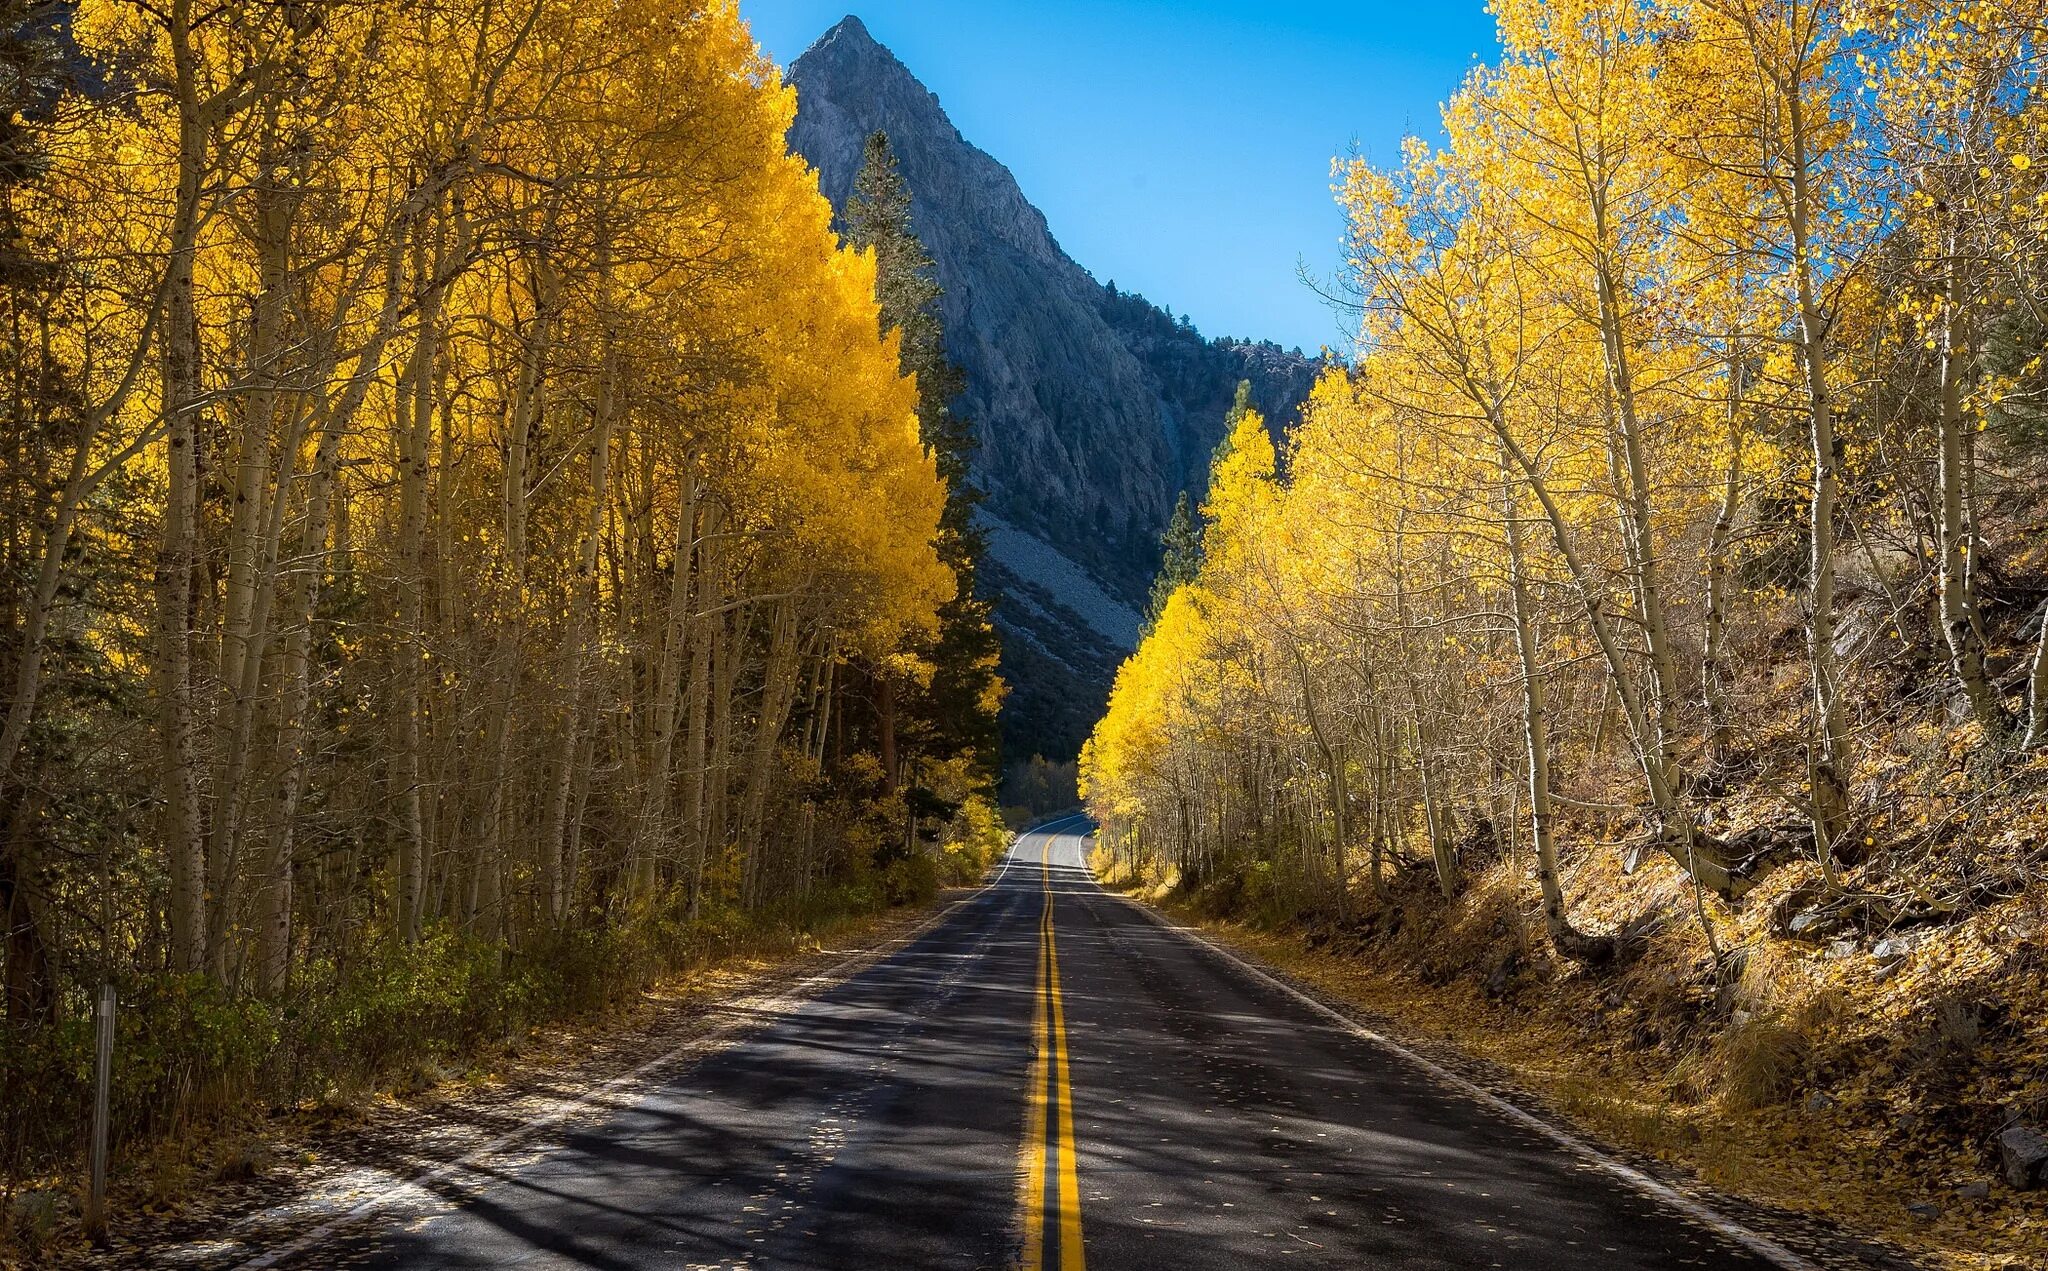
<point>955,718</point>
<point>1180,558</point>
<point>1240,406</point>
<point>1180,547</point>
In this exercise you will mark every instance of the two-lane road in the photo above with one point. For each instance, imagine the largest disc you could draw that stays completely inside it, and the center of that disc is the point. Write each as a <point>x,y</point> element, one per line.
<point>1054,1078</point>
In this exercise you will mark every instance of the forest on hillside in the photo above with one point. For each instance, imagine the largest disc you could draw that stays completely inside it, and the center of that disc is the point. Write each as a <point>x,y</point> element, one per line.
<point>473,537</point>
<point>1656,600</point>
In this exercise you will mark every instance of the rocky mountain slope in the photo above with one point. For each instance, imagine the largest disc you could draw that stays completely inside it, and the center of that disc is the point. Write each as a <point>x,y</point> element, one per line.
<point>1094,408</point>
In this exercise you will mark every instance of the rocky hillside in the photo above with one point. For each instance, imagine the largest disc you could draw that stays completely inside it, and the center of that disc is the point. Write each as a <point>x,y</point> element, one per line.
<point>1094,407</point>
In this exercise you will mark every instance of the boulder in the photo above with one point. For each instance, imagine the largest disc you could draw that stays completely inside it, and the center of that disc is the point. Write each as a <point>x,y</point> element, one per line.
<point>1501,980</point>
<point>2023,1156</point>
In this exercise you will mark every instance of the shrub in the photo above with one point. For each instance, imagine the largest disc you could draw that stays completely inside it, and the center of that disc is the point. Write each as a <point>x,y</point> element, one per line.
<point>911,880</point>
<point>976,839</point>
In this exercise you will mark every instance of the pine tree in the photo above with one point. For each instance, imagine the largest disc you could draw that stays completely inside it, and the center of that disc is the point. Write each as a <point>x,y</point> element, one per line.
<point>1240,406</point>
<point>1180,546</point>
<point>956,716</point>
<point>1180,560</point>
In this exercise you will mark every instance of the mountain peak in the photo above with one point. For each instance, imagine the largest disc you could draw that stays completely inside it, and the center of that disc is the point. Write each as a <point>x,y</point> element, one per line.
<point>1093,410</point>
<point>851,27</point>
<point>848,62</point>
<point>849,36</point>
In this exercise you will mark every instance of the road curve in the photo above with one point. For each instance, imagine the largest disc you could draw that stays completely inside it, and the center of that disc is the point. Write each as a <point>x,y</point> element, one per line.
<point>1049,1077</point>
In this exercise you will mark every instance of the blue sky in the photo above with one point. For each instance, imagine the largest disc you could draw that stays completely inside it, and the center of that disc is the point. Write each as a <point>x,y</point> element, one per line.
<point>1179,147</point>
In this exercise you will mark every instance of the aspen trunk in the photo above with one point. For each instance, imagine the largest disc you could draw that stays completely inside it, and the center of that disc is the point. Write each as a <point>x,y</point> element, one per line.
<point>1639,536</point>
<point>1440,849</point>
<point>1382,796</point>
<point>1716,679</point>
<point>1676,832</point>
<point>178,553</point>
<point>651,827</point>
<point>274,903</point>
<point>1829,765</point>
<point>583,602</point>
<point>1333,768</point>
<point>1187,840</point>
<point>523,413</point>
<point>1340,823</point>
<point>778,694</point>
<point>1569,941</point>
<point>2037,690</point>
<point>450,858</point>
<point>1961,625</point>
<point>413,430</point>
<point>697,742</point>
<point>828,666</point>
<point>727,632</point>
<point>696,750</point>
<point>251,550</point>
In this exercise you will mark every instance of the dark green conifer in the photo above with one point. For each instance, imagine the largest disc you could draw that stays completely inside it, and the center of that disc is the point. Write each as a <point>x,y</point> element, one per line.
<point>956,715</point>
<point>1180,547</point>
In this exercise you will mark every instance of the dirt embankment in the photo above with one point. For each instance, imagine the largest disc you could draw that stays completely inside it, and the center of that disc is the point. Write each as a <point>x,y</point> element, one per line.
<point>1864,1080</point>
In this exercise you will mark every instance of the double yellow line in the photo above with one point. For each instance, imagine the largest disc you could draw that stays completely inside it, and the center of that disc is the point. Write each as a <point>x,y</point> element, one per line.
<point>1052,1189</point>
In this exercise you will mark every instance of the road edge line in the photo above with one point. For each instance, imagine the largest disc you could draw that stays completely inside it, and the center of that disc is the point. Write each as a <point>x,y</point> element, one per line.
<point>713,1042</point>
<point>1645,1184</point>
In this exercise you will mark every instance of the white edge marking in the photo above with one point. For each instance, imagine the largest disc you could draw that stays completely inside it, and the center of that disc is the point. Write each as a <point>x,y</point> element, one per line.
<point>716,1040</point>
<point>1757,1243</point>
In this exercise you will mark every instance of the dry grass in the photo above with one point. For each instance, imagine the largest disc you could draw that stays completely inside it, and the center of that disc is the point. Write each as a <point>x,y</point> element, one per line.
<point>1756,1062</point>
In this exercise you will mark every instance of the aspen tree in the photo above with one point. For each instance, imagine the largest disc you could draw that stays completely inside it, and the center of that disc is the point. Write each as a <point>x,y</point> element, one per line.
<point>1949,97</point>
<point>1780,66</point>
<point>500,405</point>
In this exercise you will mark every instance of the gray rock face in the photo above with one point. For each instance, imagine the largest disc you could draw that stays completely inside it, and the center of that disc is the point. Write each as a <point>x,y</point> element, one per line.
<point>1094,409</point>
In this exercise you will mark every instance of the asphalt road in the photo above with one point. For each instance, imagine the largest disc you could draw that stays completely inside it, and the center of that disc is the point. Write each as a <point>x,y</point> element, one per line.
<point>1052,1078</point>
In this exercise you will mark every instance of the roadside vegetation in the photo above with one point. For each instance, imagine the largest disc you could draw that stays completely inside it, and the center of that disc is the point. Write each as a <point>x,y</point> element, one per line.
<point>1637,653</point>
<point>476,537</point>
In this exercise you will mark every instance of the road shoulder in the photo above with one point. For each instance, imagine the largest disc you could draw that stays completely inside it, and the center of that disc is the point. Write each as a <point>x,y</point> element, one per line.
<point>1336,985</point>
<point>313,1169</point>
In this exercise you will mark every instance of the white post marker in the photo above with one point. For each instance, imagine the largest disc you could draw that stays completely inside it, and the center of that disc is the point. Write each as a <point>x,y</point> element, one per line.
<point>103,1076</point>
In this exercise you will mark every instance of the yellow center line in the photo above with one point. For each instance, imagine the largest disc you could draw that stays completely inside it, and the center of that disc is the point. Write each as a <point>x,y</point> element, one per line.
<point>1050,1081</point>
<point>1070,1181</point>
<point>1033,1201</point>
